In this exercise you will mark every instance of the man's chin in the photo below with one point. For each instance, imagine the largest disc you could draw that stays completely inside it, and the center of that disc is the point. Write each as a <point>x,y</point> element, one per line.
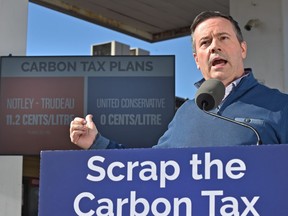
<point>220,75</point>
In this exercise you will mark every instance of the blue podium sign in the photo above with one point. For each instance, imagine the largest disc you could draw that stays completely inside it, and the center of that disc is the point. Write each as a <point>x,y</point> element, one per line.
<point>245,180</point>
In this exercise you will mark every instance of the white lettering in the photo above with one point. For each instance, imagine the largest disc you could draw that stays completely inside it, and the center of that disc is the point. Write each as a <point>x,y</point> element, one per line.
<point>169,171</point>
<point>234,169</point>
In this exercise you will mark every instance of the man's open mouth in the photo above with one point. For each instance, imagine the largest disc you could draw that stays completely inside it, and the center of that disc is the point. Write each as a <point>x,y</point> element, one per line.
<point>218,62</point>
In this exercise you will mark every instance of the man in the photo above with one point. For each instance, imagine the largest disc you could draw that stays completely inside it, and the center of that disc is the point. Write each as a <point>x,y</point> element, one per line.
<point>219,51</point>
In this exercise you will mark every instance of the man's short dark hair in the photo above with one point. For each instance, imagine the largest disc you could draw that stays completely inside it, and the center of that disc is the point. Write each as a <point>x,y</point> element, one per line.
<point>212,14</point>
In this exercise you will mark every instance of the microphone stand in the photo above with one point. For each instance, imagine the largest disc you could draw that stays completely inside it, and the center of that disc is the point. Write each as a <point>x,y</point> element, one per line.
<point>259,142</point>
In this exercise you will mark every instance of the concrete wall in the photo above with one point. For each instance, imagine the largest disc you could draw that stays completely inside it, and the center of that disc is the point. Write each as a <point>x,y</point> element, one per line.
<point>13,37</point>
<point>13,27</point>
<point>285,42</point>
<point>11,185</point>
<point>267,42</point>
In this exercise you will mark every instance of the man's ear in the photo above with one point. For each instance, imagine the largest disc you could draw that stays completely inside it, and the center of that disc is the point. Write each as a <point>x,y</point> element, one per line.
<point>244,49</point>
<point>196,60</point>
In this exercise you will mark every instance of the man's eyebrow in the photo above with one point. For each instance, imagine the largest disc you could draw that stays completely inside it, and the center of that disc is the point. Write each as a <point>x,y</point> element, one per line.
<point>223,33</point>
<point>217,34</point>
<point>204,38</point>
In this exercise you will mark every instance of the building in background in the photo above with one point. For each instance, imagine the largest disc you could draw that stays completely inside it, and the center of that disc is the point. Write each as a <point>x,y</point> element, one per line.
<point>116,48</point>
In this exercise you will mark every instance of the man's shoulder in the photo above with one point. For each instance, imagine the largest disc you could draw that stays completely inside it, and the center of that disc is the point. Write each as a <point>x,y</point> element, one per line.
<point>188,108</point>
<point>272,91</point>
<point>188,104</point>
<point>271,96</point>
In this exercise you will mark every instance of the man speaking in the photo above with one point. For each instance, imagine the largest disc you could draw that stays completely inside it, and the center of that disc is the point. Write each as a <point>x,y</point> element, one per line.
<point>219,50</point>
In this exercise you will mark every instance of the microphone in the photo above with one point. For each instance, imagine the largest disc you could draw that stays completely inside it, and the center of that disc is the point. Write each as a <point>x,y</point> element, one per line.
<point>210,95</point>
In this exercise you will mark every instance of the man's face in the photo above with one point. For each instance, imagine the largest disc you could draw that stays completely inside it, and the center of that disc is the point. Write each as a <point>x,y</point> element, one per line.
<point>218,53</point>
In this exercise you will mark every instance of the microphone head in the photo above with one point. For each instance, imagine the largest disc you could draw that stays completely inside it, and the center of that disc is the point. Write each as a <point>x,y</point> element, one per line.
<point>210,94</point>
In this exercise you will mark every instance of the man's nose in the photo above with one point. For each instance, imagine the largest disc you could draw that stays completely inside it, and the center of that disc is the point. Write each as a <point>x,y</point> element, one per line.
<point>215,46</point>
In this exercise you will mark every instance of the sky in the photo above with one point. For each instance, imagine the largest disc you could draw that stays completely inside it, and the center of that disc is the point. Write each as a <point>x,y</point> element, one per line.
<point>51,33</point>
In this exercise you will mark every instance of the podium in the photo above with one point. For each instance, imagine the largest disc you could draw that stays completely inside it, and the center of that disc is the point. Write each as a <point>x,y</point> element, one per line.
<point>212,181</point>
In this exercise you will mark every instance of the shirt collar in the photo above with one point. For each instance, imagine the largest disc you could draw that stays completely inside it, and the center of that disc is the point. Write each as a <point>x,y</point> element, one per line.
<point>232,85</point>
<point>236,82</point>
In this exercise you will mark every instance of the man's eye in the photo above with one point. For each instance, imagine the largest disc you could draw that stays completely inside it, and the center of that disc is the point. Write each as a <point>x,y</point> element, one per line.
<point>203,43</point>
